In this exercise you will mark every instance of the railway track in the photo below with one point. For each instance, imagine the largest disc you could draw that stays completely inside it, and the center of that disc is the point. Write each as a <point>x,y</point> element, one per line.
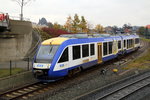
<point>24,92</point>
<point>119,90</point>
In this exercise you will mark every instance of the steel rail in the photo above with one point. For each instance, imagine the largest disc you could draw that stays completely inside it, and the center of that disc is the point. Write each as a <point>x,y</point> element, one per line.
<point>105,89</point>
<point>123,87</point>
<point>38,87</point>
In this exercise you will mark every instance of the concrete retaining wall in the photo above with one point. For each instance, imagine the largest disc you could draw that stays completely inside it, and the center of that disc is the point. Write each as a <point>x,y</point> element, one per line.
<point>16,43</point>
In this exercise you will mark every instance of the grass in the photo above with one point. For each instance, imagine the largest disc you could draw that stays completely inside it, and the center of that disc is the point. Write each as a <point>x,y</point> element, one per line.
<point>142,62</point>
<point>6,72</point>
<point>148,40</point>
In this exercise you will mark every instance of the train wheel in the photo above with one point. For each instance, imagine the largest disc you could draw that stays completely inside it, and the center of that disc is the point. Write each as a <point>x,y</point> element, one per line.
<point>70,73</point>
<point>74,71</point>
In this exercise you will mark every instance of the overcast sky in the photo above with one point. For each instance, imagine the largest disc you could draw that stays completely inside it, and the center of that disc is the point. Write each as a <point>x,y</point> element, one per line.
<point>104,12</point>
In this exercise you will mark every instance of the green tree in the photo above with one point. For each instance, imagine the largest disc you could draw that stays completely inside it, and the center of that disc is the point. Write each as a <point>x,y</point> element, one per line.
<point>68,24</point>
<point>50,25</point>
<point>147,33</point>
<point>76,24</point>
<point>44,35</point>
<point>141,30</point>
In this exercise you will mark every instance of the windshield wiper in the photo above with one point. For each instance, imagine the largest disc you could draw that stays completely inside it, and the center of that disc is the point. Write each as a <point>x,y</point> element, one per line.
<point>50,50</point>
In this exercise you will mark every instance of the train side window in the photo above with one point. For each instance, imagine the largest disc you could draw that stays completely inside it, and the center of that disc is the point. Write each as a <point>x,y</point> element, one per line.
<point>85,50</point>
<point>110,47</point>
<point>119,44</point>
<point>137,40</point>
<point>124,43</point>
<point>64,56</point>
<point>76,52</point>
<point>127,44</point>
<point>92,49</point>
<point>105,48</point>
<point>131,42</point>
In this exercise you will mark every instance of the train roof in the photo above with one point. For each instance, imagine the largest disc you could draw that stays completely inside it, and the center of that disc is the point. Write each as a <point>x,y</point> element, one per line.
<point>54,41</point>
<point>83,35</point>
<point>86,37</point>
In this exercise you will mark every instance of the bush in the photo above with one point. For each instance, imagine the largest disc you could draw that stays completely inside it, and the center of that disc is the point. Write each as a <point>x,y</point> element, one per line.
<point>54,32</point>
<point>44,35</point>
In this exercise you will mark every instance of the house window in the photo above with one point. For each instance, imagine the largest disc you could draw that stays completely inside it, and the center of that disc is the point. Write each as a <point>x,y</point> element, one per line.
<point>76,52</point>
<point>110,47</point>
<point>85,50</point>
<point>64,56</point>
<point>105,48</point>
<point>119,44</point>
<point>92,49</point>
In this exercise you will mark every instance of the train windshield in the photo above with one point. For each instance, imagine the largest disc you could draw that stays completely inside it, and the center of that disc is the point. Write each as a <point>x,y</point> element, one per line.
<point>46,53</point>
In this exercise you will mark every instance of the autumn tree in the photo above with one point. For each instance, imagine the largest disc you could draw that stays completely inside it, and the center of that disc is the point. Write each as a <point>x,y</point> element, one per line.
<point>83,24</point>
<point>68,25</point>
<point>53,32</point>
<point>76,25</point>
<point>57,26</point>
<point>99,28</point>
<point>44,35</point>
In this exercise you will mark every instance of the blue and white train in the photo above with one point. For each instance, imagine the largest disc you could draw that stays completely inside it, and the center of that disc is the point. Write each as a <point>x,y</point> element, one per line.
<point>68,54</point>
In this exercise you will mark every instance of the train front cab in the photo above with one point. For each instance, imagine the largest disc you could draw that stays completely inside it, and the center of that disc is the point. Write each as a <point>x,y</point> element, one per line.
<point>43,61</point>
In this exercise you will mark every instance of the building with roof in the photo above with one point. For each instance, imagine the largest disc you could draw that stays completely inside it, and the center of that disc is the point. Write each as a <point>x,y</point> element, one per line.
<point>148,26</point>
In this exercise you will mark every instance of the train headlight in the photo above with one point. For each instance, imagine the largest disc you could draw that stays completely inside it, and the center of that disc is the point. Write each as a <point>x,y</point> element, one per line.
<point>48,66</point>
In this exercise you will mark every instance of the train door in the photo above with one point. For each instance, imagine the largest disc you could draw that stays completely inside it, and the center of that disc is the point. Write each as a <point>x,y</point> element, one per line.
<point>115,46</point>
<point>99,50</point>
<point>133,43</point>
